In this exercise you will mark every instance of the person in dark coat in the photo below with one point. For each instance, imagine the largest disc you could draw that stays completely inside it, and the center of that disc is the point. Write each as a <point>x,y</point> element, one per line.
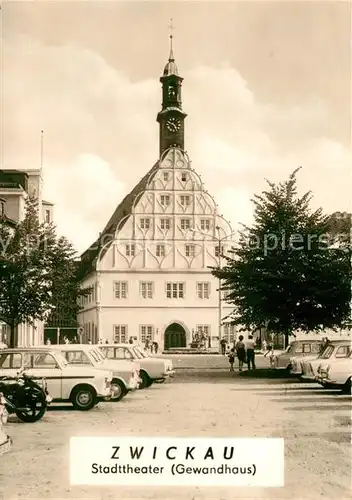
<point>241,352</point>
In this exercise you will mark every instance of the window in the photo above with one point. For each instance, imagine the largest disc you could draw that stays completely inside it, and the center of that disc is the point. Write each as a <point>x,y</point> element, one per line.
<point>185,200</point>
<point>165,199</point>
<point>343,351</point>
<point>146,332</point>
<point>183,176</point>
<point>203,289</point>
<point>185,223</point>
<point>11,361</point>
<point>229,332</point>
<point>120,289</point>
<point>190,250</point>
<point>117,353</point>
<point>160,250</point>
<point>120,334</point>
<point>47,216</point>
<point>203,330</point>
<point>165,223</point>
<point>327,352</point>
<point>76,357</point>
<point>217,254</point>
<point>306,348</point>
<point>145,223</point>
<point>43,361</point>
<point>131,250</point>
<point>175,290</point>
<point>166,176</point>
<point>2,208</point>
<point>205,224</point>
<point>146,289</point>
<point>316,348</point>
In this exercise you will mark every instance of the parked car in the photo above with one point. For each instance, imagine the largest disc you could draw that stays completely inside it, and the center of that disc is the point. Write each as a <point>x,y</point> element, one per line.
<point>336,349</point>
<point>298,348</point>
<point>151,369</point>
<point>336,374</point>
<point>125,372</point>
<point>83,386</point>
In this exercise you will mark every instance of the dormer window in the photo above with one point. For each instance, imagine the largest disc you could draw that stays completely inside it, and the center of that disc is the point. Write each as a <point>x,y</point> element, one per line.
<point>184,177</point>
<point>166,176</point>
<point>145,223</point>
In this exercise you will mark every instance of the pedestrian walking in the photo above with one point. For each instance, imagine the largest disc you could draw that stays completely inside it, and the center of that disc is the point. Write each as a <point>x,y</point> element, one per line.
<point>250,346</point>
<point>241,352</point>
<point>156,347</point>
<point>223,343</point>
<point>271,354</point>
<point>231,356</point>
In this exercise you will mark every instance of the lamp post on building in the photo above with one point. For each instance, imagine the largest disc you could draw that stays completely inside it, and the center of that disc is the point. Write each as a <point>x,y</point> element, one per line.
<point>219,239</point>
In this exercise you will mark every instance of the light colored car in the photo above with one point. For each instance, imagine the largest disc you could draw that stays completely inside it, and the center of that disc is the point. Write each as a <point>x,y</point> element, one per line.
<point>125,373</point>
<point>336,374</point>
<point>298,348</point>
<point>336,349</point>
<point>83,386</point>
<point>151,369</point>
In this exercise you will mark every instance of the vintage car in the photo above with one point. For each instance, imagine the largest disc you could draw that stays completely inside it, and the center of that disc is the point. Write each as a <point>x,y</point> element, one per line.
<point>298,348</point>
<point>336,374</point>
<point>125,372</point>
<point>151,369</point>
<point>335,349</point>
<point>83,386</point>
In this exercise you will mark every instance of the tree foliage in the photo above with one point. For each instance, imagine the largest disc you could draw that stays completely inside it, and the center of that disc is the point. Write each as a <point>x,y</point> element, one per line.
<point>285,274</point>
<point>37,271</point>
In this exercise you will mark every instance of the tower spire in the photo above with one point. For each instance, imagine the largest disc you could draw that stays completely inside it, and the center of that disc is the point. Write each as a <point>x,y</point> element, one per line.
<point>171,36</point>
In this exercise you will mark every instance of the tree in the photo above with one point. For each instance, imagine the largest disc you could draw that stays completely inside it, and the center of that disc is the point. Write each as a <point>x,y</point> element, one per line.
<point>37,271</point>
<point>284,274</point>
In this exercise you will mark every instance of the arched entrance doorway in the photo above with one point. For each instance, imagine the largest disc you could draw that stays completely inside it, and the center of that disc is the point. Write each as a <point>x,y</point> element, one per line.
<point>175,336</point>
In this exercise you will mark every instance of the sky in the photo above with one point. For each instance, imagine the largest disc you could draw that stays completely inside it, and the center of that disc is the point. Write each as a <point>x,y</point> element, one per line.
<point>267,88</point>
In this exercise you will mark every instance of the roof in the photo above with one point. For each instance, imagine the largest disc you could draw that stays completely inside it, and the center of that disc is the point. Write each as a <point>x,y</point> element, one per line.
<point>27,349</point>
<point>117,220</point>
<point>44,202</point>
<point>72,347</point>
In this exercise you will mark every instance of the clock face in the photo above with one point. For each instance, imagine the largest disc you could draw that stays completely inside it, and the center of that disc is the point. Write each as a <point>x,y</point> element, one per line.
<point>173,124</point>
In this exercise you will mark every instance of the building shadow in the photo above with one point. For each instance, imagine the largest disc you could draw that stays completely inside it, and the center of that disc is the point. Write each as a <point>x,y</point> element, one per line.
<point>316,408</point>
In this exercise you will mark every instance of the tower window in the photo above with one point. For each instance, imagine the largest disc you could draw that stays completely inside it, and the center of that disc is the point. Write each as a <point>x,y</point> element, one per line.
<point>165,223</point>
<point>185,200</point>
<point>165,199</point>
<point>171,92</point>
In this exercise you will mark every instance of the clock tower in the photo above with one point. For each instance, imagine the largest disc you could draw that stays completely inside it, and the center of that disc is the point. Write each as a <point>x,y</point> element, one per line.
<point>171,117</point>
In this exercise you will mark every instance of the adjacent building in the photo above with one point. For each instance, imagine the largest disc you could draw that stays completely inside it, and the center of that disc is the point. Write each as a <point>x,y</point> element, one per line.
<point>15,187</point>
<point>149,269</point>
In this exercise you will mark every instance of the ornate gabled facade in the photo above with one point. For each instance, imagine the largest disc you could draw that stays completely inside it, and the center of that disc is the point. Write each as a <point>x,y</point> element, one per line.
<point>149,269</point>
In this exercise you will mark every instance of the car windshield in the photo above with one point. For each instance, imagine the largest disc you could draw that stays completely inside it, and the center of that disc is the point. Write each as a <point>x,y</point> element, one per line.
<point>95,356</point>
<point>139,353</point>
<point>78,358</point>
<point>61,358</point>
<point>327,352</point>
<point>100,353</point>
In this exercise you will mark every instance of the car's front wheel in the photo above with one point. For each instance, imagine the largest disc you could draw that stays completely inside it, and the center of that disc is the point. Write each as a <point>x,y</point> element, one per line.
<point>146,380</point>
<point>83,397</point>
<point>347,387</point>
<point>119,389</point>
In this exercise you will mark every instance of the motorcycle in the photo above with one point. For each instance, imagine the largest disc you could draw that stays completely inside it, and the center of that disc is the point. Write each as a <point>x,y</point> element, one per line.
<point>24,396</point>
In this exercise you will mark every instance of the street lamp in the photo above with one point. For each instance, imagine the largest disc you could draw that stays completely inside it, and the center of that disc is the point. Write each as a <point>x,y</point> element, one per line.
<point>219,240</point>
